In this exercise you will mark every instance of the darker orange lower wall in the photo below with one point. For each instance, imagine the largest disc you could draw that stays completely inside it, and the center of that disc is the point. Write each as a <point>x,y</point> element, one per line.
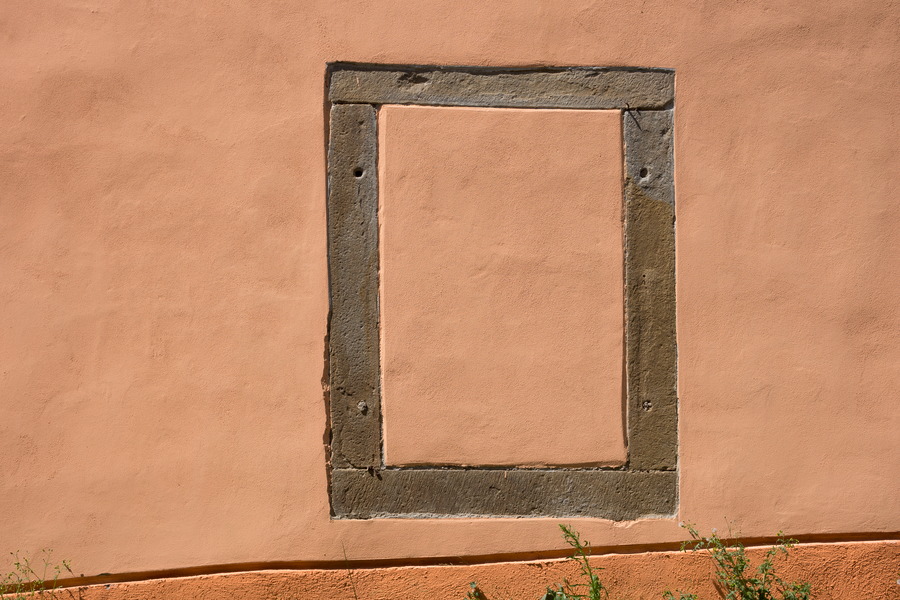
<point>848,571</point>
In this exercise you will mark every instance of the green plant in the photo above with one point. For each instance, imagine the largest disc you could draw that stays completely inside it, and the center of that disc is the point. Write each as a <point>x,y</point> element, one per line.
<point>594,588</point>
<point>27,580</point>
<point>736,579</point>
<point>349,573</point>
<point>475,592</point>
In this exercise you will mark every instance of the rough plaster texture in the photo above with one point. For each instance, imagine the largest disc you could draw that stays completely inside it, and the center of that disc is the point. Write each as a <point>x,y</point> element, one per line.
<point>164,268</point>
<point>501,286</point>
<point>837,572</point>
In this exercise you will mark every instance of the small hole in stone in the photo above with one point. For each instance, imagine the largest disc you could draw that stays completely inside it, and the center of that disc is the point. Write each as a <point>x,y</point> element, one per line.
<point>644,172</point>
<point>358,173</point>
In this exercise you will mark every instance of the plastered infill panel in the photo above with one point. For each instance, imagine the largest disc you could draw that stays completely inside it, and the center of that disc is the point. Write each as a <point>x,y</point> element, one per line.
<point>364,481</point>
<point>501,296</point>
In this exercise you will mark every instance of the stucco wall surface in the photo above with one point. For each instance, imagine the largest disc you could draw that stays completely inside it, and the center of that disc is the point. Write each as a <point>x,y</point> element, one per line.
<point>163,268</point>
<point>501,286</point>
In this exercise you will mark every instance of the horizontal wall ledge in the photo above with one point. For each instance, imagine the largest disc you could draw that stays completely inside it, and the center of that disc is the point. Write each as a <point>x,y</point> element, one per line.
<point>854,570</point>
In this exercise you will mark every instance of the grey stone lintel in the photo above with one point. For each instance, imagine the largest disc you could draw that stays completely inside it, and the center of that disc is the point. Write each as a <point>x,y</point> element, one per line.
<point>573,87</point>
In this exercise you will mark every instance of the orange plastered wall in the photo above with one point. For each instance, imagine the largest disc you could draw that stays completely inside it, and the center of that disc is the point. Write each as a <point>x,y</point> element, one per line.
<point>164,288</point>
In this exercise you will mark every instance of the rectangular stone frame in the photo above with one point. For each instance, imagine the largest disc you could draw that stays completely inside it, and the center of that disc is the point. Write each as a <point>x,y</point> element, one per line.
<point>361,485</point>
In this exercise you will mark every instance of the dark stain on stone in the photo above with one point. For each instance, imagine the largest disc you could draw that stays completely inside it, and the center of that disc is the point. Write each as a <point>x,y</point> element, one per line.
<point>413,78</point>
